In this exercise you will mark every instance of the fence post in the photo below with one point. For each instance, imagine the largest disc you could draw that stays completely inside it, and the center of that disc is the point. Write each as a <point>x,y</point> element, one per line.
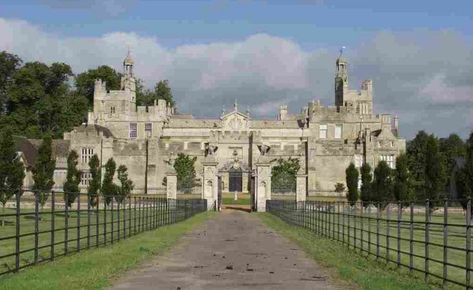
<point>97,222</point>
<point>468,243</point>
<point>388,221</point>
<point>378,209</point>
<point>78,223</point>
<point>426,240</point>
<point>369,228</point>
<point>105,220</point>
<point>445,243</point>
<point>88,222</point>
<point>53,219</point>
<point>36,227</point>
<point>399,217</point>
<point>17,231</point>
<point>411,238</point>
<point>362,217</point>
<point>66,224</point>
<point>112,216</point>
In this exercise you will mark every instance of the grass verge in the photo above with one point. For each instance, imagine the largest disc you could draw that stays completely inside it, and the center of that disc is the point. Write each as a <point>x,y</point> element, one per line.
<point>95,268</point>
<point>344,263</point>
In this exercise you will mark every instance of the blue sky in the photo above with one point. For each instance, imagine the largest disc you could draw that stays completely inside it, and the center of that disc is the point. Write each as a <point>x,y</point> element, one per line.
<point>267,53</point>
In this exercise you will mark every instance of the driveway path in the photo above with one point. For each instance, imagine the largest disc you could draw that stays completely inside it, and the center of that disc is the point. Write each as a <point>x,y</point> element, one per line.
<point>234,250</point>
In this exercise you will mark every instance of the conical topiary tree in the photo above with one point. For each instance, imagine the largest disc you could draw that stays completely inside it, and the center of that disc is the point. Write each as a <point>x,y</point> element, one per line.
<point>71,186</point>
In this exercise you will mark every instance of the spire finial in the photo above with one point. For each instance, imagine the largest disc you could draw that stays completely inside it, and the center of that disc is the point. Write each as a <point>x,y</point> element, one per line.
<point>235,106</point>
<point>341,50</point>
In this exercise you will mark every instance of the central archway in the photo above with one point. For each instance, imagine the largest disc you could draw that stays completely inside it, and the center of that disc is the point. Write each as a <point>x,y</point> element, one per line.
<point>235,180</point>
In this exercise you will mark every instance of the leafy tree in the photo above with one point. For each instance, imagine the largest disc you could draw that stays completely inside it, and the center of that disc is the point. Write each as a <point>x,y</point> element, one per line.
<point>416,152</point>
<point>95,183</point>
<point>109,189</point>
<point>366,184</point>
<point>184,166</point>
<point>382,184</point>
<point>351,174</point>
<point>451,148</point>
<point>434,170</point>
<point>162,91</point>
<point>464,180</point>
<point>85,82</point>
<point>71,186</point>
<point>9,63</point>
<point>283,175</point>
<point>11,169</point>
<point>43,171</point>
<point>126,184</point>
<point>402,181</point>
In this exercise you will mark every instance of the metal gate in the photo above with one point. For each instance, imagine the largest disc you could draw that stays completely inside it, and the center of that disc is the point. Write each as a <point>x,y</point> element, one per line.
<point>235,178</point>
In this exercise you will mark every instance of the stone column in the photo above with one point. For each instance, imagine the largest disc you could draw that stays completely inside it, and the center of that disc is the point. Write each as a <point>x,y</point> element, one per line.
<point>171,185</point>
<point>262,185</point>
<point>210,184</point>
<point>301,188</point>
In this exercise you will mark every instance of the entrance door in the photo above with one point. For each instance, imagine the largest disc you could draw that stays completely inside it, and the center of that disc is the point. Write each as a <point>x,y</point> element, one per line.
<point>235,177</point>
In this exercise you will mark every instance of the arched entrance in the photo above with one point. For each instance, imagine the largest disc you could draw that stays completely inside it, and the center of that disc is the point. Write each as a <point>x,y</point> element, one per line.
<point>235,180</point>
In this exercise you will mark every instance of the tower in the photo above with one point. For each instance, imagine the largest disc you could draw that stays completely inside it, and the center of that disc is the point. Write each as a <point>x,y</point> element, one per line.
<point>128,83</point>
<point>341,79</point>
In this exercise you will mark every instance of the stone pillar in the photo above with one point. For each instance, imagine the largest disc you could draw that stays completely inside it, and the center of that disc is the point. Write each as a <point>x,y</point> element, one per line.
<point>171,185</point>
<point>262,185</point>
<point>210,184</point>
<point>301,188</point>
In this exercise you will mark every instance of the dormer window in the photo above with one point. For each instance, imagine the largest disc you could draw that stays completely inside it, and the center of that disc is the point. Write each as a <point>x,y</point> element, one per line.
<point>323,132</point>
<point>112,110</point>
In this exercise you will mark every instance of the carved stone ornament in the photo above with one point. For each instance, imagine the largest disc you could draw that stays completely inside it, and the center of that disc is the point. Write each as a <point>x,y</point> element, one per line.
<point>210,149</point>
<point>264,149</point>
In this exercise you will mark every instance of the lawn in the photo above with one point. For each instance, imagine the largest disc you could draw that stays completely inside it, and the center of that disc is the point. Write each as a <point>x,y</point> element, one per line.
<point>381,240</point>
<point>96,268</point>
<point>343,263</point>
<point>228,198</point>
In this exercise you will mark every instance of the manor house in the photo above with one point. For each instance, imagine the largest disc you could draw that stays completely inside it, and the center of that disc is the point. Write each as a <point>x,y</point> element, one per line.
<point>148,138</point>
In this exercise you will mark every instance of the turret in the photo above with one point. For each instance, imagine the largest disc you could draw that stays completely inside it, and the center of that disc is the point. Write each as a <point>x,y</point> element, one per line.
<point>341,79</point>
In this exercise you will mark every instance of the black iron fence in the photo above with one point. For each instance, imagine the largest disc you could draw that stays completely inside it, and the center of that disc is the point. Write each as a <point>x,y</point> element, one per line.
<point>32,232</point>
<point>430,238</point>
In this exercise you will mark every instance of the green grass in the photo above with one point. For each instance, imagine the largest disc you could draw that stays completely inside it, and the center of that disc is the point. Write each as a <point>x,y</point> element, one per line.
<point>229,199</point>
<point>345,263</point>
<point>95,268</point>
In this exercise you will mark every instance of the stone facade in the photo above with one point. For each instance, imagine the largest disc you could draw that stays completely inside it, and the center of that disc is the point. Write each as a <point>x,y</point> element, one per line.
<point>325,138</point>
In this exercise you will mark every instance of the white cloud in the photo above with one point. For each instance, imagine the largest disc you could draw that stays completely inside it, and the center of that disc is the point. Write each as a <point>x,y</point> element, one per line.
<point>415,74</point>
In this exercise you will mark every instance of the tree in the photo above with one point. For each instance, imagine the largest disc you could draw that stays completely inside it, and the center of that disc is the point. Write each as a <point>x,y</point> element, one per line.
<point>402,181</point>
<point>162,91</point>
<point>43,171</point>
<point>9,63</point>
<point>382,184</point>
<point>351,174</point>
<point>184,166</point>
<point>283,175</point>
<point>71,186</point>
<point>11,169</point>
<point>464,180</point>
<point>85,82</point>
<point>416,152</point>
<point>366,184</point>
<point>434,170</point>
<point>95,183</point>
<point>451,149</point>
<point>126,184</point>
<point>109,189</point>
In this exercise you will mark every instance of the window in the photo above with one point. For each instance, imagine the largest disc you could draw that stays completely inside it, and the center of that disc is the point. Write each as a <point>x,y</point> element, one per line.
<point>323,132</point>
<point>112,110</point>
<point>389,160</point>
<point>148,129</point>
<point>133,130</point>
<point>338,131</point>
<point>85,178</point>
<point>86,154</point>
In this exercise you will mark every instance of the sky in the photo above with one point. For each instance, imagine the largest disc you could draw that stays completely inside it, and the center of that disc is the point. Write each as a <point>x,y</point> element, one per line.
<point>264,54</point>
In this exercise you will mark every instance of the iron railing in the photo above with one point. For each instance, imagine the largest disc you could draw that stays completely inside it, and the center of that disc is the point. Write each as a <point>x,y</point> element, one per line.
<point>430,238</point>
<point>31,233</point>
